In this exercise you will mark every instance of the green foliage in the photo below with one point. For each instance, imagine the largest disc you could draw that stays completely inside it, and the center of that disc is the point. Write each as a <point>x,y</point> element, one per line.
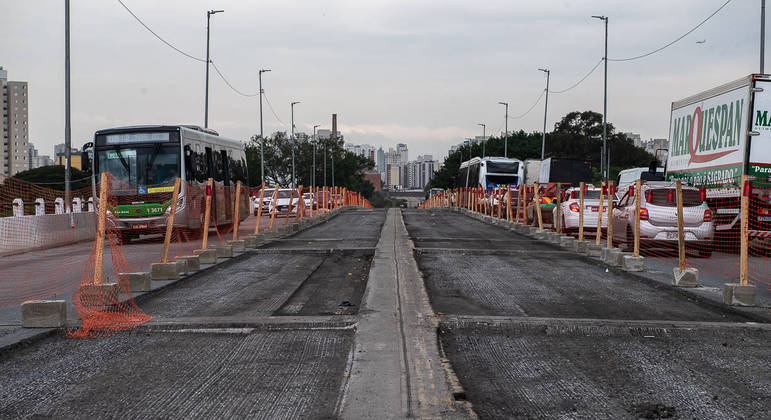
<point>348,167</point>
<point>380,200</point>
<point>53,177</point>
<point>578,135</point>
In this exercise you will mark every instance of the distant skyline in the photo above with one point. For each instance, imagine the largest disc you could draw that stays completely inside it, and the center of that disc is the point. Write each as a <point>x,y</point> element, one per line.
<point>420,72</point>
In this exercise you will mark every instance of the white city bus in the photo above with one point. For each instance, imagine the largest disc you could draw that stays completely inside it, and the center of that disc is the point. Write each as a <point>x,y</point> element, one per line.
<point>490,173</point>
<point>143,162</point>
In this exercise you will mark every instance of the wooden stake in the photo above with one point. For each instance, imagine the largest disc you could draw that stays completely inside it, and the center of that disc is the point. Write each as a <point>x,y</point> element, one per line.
<point>638,190</point>
<point>581,212</point>
<point>538,207</point>
<point>508,204</point>
<point>609,229</point>
<point>300,204</point>
<point>519,203</point>
<point>259,209</point>
<point>170,222</point>
<point>237,210</point>
<point>207,212</point>
<point>744,244</point>
<point>100,227</point>
<point>275,208</point>
<point>558,222</point>
<point>599,215</point>
<point>680,226</point>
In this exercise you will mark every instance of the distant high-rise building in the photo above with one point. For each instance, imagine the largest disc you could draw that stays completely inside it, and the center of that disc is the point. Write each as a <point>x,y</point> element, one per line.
<point>635,139</point>
<point>380,162</point>
<point>36,160</point>
<point>401,148</point>
<point>15,149</point>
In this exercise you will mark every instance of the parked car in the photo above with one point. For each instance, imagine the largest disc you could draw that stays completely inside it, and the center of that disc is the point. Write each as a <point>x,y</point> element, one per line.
<point>265,201</point>
<point>282,202</point>
<point>570,210</point>
<point>309,199</point>
<point>658,218</point>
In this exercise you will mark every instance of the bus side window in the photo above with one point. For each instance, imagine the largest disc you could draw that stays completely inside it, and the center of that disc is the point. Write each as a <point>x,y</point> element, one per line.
<point>210,164</point>
<point>201,167</point>
<point>189,157</point>
<point>224,167</point>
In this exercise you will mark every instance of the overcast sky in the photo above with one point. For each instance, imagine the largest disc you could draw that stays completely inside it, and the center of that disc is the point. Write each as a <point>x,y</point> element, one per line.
<point>420,72</point>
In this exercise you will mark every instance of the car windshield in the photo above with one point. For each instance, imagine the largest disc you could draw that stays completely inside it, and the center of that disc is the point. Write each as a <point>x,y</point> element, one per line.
<point>667,197</point>
<point>588,195</point>
<point>141,166</point>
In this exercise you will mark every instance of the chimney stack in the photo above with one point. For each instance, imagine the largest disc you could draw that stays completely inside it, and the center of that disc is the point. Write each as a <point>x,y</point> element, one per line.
<point>334,126</point>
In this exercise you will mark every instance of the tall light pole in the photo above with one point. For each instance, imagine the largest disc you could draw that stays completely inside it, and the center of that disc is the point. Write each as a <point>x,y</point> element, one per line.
<point>315,140</point>
<point>67,126</point>
<point>603,164</point>
<point>506,136</point>
<point>262,137</point>
<point>484,140</point>
<point>206,101</point>
<point>293,142</point>
<point>545,110</point>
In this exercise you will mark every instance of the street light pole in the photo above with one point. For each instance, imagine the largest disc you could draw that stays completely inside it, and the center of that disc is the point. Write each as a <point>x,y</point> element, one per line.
<point>545,110</point>
<point>484,140</point>
<point>67,126</point>
<point>603,163</point>
<point>293,142</point>
<point>315,140</point>
<point>206,101</point>
<point>506,136</point>
<point>262,137</point>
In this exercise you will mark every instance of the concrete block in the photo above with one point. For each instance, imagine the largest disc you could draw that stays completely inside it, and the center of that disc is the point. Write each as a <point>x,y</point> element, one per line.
<point>164,271</point>
<point>610,256</point>
<point>224,251</point>
<point>532,230</point>
<point>580,246</point>
<point>238,245</point>
<point>487,219</point>
<point>736,294</point>
<point>43,314</point>
<point>540,234</point>
<point>137,282</point>
<point>104,294</point>
<point>192,263</point>
<point>632,263</point>
<point>250,241</point>
<point>685,278</point>
<point>206,256</point>
<point>567,242</point>
<point>593,250</point>
<point>555,238</point>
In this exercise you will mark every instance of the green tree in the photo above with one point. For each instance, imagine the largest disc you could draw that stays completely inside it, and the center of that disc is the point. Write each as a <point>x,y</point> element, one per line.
<point>53,177</point>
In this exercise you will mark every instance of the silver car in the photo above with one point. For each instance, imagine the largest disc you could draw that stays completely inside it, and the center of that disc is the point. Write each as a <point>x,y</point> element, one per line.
<point>658,218</point>
<point>570,208</point>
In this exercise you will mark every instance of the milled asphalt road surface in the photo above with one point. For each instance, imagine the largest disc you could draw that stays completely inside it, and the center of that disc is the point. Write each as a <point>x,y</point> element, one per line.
<point>534,331</point>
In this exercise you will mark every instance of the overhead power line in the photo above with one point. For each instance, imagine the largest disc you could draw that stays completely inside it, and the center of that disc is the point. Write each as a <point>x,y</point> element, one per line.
<point>529,109</point>
<point>203,60</point>
<point>272,110</point>
<point>224,79</point>
<point>676,40</point>
<point>580,81</point>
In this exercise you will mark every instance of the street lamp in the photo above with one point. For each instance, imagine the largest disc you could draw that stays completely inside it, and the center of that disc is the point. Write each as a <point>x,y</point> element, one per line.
<point>545,110</point>
<point>315,140</point>
<point>603,164</point>
<point>293,142</point>
<point>262,137</point>
<point>206,102</point>
<point>484,140</point>
<point>506,136</point>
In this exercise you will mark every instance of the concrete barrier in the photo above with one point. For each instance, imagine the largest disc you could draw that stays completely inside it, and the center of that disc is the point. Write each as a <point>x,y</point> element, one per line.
<point>593,250</point>
<point>736,294</point>
<point>580,246</point>
<point>192,263</point>
<point>138,282</point>
<point>168,271</point>
<point>238,245</point>
<point>104,294</point>
<point>28,233</point>
<point>43,314</point>
<point>567,242</point>
<point>610,256</point>
<point>206,256</point>
<point>685,278</point>
<point>632,263</point>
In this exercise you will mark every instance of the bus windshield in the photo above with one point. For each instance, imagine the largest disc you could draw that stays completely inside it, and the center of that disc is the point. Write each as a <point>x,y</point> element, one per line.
<point>139,165</point>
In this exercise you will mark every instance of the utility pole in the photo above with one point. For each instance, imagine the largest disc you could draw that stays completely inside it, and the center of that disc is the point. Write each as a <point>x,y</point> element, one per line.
<point>67,125</point>
<point>262,137</point>
<point>603,163</point>
<point>206,100</point>
<point>484,140</point>
<point>545,110</point>
<point>315,140</point>
<point>506,136</point>
<point>762,35</point>
<point>293,142</point>
<point>325,162</point>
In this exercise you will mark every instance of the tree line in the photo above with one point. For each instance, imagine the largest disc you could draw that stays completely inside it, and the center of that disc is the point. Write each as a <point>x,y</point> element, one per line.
<point>578,135</point>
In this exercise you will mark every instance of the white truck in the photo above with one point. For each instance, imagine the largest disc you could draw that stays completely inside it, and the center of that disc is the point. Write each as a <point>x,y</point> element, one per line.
<point>719,135</point>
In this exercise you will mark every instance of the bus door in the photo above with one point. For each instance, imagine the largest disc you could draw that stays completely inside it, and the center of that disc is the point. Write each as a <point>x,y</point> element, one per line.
<point>229,190</point>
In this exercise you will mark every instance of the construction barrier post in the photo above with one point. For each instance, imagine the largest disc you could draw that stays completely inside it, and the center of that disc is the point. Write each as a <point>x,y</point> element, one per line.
<point>558,216</point>
<point>598,237</point>
<point>207,213</point>
<point>100,228</point>
<point>170,222</point>
<point>609,229</point>
<point>509,215</point>
<point>300,204</point>
<point>581,212</point>
<point>680,228</point>
<point>259,208</point>
<point>519,202</point>
<point>237,210</point>
<point>538,206</point>
<point>744,245</point>
<point>524,208</point>
<point>274,209</point>
<point>289,207</point>
<point>638,190</point>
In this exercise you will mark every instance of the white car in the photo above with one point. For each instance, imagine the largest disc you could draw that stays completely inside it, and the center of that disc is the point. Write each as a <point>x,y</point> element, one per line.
<point>309,199</point>
<point>658,218</point>
<point>265,201</point>
<point>570,209</point>
<point>282,202</point>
